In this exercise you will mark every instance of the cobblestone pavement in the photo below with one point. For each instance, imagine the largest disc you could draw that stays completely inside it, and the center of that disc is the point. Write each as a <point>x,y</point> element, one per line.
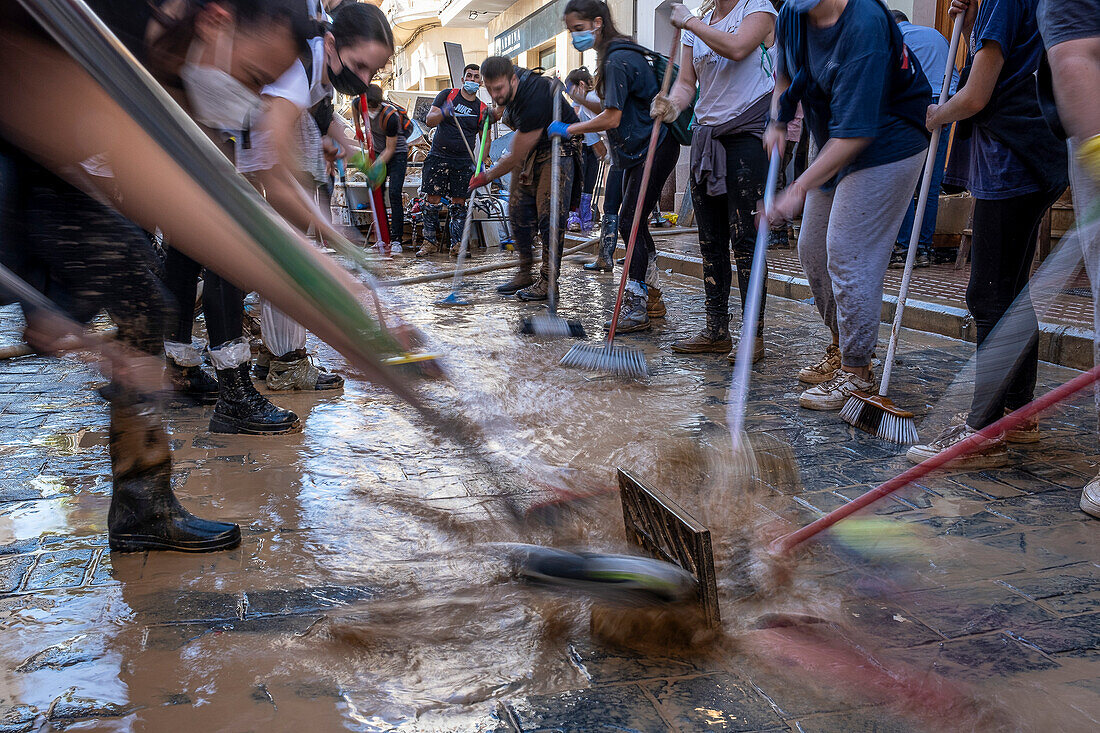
<point>361,598</point>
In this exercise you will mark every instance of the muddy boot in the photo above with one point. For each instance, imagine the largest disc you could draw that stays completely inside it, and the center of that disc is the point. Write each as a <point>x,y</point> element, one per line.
<point>713,339</point>
<point>540,290</point>
<point>655,305</point>
<point>758,351</point>
<point>296,370</point>
<point>573,223</point>
<point>431,231</point>
<point>584,213</point>
<point>144,513</point>
<point>520,280</point>
<point>240,408</point>
<point>185,372</point>
<point>609,233</point>
<point>263,362</point>
<point>633,316</point>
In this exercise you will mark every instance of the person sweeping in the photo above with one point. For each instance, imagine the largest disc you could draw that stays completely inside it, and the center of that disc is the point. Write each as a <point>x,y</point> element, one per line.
<point>864,97</point>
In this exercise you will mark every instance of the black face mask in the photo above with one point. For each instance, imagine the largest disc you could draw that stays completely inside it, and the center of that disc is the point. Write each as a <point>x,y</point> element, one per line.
<point>346,81</point>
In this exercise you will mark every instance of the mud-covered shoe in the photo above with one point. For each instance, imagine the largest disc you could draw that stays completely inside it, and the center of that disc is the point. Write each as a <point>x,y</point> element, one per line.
<point>519,281</point>
<point>1026,432</point>
<point>758,351</point>
<point>823,370</point>
<point>991,453</point>
<point>633,316</point>
<point>1090,497</point>
<point>428,248</point>
<point>655,305</point>
<point>833,394</point>
<point>296,370</point>
<point>192,383</point>
<point>706,341</point>
<point>539,290</point>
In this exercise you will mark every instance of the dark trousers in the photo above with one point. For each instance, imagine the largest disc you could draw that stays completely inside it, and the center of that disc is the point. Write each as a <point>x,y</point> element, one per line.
<point>591,165</point>
<point>613,191</point>
<point>222,302</point>
<point>395,184</point>
<point>729,220</point>
<point>664,161</point>
<point>529,208</point>
<point>1001,252</point>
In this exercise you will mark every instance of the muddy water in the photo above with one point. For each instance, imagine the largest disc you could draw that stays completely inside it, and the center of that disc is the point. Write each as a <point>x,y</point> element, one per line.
<point>363,595</point>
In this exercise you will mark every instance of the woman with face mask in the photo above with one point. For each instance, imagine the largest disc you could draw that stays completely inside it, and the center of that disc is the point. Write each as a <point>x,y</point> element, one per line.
<point>626,84</point>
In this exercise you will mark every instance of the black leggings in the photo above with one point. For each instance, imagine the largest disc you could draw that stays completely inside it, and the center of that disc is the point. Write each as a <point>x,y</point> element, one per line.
<point>222,302</point>
<point>613,191</point>
<point>591,165</point>
<point>1001,252</point>
<point>729,219</point>
<point>664,161</point>
<point>395,185</point>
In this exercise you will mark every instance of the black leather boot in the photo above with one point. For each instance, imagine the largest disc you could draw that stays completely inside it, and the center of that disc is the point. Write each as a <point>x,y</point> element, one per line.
<point>241,409</point>
<point>193,383</point>
<point>144,513</point>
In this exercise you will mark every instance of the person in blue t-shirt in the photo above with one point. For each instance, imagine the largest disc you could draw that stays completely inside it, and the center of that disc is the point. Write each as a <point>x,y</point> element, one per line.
<point>1017,170</point>
<point>626,84</point>
<point>864,97</point>
<point>931,49</point>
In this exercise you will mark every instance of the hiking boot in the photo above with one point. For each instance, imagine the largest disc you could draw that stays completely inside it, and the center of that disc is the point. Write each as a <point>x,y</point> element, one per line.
<point>1027,432</point>
<point>144,513</point>
<point>655,306</point>
<point>633,316</point>
<point>990,453</point>
<point>832,395</point>
<point>539,290</point>
<point>707,341</point>
<point>520,280</point>
<point>428,248</point>
<point>758,351</point>
<point>296,370</point>
<point>1090,497</point>
<point>824,370</point>
<point>241,409</point>
<point>609,232</point>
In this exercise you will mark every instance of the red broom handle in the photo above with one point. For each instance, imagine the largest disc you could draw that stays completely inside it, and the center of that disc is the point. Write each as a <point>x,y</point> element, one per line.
<point>638,213</point>
<point>1008,422</point>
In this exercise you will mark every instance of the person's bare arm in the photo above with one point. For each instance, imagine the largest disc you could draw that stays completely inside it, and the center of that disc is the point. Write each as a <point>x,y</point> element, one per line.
<point>607,120</point>
<point>434,117</point>
<point>976,93</point>
<point>588,100</point>
<point>755,30</point>
<point>837,153</point>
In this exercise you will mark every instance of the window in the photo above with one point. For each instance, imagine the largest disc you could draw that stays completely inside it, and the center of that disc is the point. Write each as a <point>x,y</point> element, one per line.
<point>548,58</point>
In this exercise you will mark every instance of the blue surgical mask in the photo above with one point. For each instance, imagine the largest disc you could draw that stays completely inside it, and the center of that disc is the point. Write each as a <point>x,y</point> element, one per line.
<point>470,87</point>
<point>584,40</point>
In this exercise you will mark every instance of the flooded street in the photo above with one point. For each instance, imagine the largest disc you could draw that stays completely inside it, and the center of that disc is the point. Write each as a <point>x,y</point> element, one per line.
<point>366,595</point>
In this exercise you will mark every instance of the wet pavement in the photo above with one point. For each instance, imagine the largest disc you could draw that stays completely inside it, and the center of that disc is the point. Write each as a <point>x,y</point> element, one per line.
<point>364,596</point>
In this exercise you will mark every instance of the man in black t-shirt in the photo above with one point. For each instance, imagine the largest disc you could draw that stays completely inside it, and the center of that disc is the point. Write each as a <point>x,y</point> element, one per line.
<point>457,115</point>
<point>527,102</point>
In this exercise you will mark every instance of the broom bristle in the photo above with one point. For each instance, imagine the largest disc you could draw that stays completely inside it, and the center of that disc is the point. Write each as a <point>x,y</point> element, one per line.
<point>548,326</point>
<point>616,360</point>
<point>862,414</point>
<point>901,430</point>
<point>877,415</point>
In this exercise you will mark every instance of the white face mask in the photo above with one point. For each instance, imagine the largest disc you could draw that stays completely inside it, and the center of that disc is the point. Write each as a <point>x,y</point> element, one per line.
<point>217,99</point>
<point>373,112</point>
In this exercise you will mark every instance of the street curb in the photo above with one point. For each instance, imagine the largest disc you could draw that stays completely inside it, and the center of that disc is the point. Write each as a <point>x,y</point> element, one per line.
<point>1069,346</point>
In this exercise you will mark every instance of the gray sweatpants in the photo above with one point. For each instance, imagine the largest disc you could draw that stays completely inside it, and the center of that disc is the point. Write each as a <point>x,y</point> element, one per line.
<point>844,245</point>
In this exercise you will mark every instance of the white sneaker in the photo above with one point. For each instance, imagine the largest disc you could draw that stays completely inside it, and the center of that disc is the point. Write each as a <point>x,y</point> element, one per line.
<point>824,370</point>
<point>990,454</point>
<point>1090,497</point>
<point>832,395</point>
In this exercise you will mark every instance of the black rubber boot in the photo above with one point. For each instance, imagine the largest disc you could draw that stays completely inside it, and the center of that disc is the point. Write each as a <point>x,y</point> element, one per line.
<point>193,383</point>
<point>609,233</point>
<point>241,409</point>
<point>144,513</point>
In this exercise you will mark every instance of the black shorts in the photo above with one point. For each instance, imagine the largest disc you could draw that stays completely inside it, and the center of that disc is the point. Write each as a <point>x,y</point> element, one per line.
<point>443,176</point>
<point>1068,20</point>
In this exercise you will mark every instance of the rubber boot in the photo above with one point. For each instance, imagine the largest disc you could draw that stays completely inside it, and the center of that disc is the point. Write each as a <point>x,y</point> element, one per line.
<point>186,375</point>
<point>144,513</point>
<point>609,235</point>
<point>431,231</point>
<point>240,408</point>
<point>584,213</point>
<point>295,370</point>
<point>573,223</point>
<point>520,280</point>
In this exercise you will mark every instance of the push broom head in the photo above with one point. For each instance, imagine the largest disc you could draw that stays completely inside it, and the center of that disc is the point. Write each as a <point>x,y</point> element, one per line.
<point>879,416</point>
<point>614,360</point>
<point>453,299</point>
<point>546,325</point>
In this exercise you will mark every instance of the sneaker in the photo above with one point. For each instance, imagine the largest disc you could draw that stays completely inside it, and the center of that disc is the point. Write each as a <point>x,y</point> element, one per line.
<point>1028,432</point>
<point>655,306</point>
<point>897,259</point>
<point>758,351</point>
<point>823,370</point>
<point>539,290</point>
<point>634,316</point>
<point>704,342</point>
<point>428,249</point>
<point>833,395</point>
<point>1090,497</point>
<point>923,260</point>
<point>991,454</point>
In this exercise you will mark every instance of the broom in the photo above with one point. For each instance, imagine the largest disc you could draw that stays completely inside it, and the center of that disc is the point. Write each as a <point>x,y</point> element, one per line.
<point>877,414</point>
<point>550,324</point>
<point>381,226</point>
<point>454,298</point>
<point>610,358</point>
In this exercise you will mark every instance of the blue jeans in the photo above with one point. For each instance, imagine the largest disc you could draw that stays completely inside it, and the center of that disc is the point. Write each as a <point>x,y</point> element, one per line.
<point>928,226</point>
